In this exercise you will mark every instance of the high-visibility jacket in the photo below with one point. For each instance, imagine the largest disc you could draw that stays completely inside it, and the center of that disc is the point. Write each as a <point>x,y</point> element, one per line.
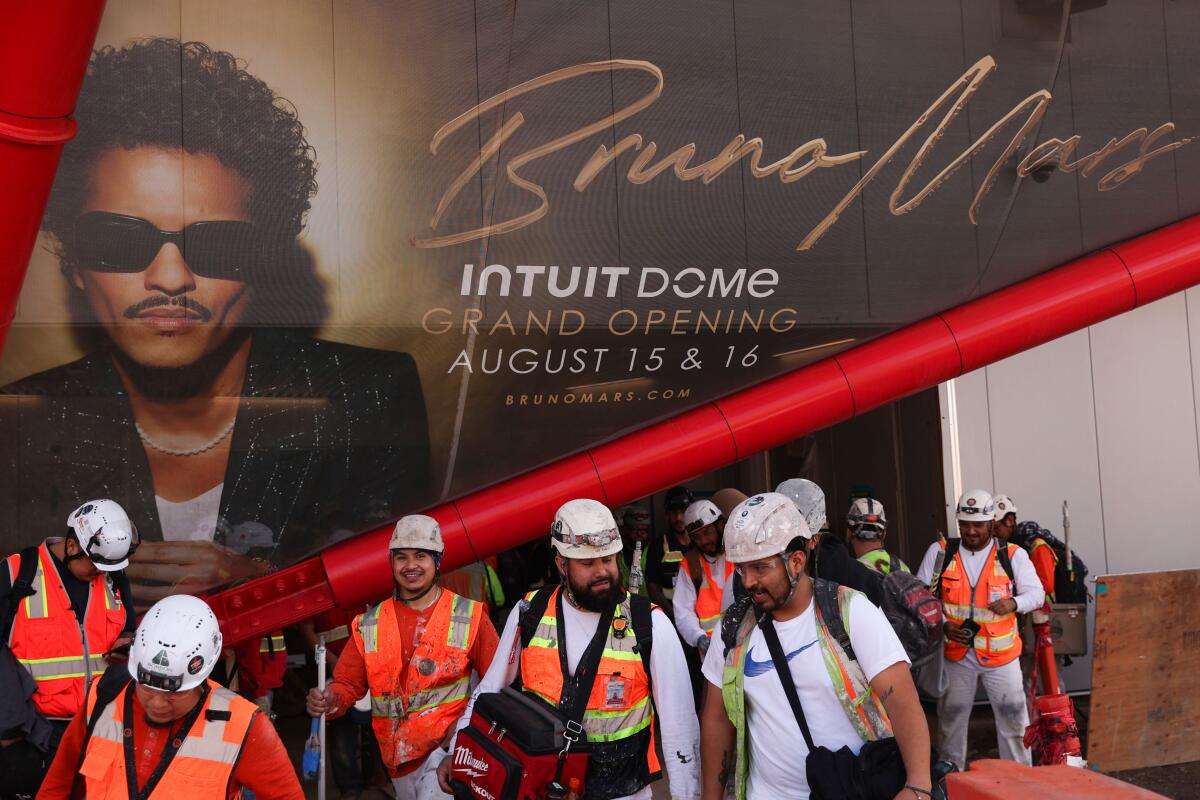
<point>334,624</point>
<point>997,642</point>
<point>671,559</point>
<point>708,595</point>
<point>47,639</point>
<point>414,704</point>
<point>862,708</point>
<point>883,562</point>
<point>1045,561</point>
<point>619,706</point>
<point>201,768</point>
<point>261,665</point>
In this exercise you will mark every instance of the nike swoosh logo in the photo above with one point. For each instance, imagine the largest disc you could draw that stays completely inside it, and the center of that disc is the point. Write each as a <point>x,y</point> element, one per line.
<point>754,667</point>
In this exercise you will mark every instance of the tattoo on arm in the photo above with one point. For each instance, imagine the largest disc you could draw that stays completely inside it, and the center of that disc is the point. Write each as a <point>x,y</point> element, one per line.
<point>726,768</point>
<point>891,690</point>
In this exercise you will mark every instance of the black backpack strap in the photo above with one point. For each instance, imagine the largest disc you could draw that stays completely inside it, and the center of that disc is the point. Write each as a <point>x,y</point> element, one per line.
<point>532,614</point>
<point>22,587</point>
<point>692,557</point>
<point>640,609</point>
<point>1006,562</point>
<point>108,685</point>
<point>829,605</point>
<point>785,676</point>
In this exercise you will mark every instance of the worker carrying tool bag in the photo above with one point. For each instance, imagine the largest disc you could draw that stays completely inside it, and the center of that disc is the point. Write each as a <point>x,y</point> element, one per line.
<point>517,747</point>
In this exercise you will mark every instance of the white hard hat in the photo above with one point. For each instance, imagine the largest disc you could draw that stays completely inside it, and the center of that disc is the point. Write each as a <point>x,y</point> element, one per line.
<point>809,499</point>
<point>866,518</point>
<point>105,533</point>
<point>585,529</point>
<point>176,646</point>
<point>1004,506</point>
<point>418,532</point>
<point>699,514</point>
<point>763,526</point>
<point>975,506</point>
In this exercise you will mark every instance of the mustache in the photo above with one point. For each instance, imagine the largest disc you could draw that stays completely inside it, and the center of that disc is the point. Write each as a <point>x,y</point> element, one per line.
<point>159,300</point>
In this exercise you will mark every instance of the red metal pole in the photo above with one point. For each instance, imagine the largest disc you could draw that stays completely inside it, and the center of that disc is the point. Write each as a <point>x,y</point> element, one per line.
<point>965,338</point>
<point>44,51</point>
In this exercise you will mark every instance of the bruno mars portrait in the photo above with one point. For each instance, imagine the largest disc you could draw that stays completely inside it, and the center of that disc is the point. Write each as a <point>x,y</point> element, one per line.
<point>233,441</point>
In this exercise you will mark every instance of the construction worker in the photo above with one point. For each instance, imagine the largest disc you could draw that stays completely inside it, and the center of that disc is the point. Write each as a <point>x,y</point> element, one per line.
<point>636,523</point>
<point>666,552</point>
<point>700,594</point>
<point>626,704</point>
<point>261,666</point>
<point>183,735</point>
<point>65,607</point>
<point>828,557</point>
<point>866,529</point>
<point>1040,552</point>
<point>415,652</point>
<point>983,584</point>
<point>752,745</point>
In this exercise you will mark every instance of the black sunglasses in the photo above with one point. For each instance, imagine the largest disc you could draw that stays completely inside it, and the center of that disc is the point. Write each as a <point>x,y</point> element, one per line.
<point>224,249</point>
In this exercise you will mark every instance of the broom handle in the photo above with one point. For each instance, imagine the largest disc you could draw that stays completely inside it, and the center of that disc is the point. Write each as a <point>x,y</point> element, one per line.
<point>321,730</point>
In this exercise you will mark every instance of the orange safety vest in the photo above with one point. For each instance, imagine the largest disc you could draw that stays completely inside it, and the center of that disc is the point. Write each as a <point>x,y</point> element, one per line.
<point>997,642</point>
<point>708,596</point>
<point>414,704</point>
<point>202,767</point>
<point>60,654</point>
<point>619,705</point>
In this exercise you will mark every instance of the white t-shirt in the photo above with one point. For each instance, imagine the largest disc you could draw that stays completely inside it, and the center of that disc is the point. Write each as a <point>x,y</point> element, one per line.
<point>776,747</point>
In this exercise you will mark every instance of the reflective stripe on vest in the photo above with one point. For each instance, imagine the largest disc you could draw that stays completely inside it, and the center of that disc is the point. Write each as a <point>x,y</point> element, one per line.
<point>335,634</point>
<point>273,644</point>
<point>203,766</point>
<point>603,721</point>
<point>48,641</point>
<point>997,643</point>
<point>858,701</point>
<point>708,596</point>
<point>414,704</point>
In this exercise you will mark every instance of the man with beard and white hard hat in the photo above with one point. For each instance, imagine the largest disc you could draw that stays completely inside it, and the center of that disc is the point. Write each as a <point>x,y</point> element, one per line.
<point>752,745</point>
<point>983,584</point>
<point>627,700</point>
<point>65,607</point>
<point>415,650</point>
<point>700,594</point>
<point>182,734</point>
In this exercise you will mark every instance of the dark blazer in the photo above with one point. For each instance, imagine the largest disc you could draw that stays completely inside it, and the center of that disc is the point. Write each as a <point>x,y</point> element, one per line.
<point>329,439</point>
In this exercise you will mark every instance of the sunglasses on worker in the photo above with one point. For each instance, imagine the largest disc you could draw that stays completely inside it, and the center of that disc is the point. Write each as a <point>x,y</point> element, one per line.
<point>224,249</point>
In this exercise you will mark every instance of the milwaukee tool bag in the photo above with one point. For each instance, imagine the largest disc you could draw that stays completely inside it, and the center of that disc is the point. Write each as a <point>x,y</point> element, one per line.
<point>510,750</point>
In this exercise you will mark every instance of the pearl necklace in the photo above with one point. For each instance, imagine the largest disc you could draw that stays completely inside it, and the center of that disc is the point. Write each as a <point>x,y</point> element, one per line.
<point>172,451</point>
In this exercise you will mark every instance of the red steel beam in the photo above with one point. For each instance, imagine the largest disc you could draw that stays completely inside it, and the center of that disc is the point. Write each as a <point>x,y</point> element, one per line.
<point>977,333</point>
<point>44,50</point>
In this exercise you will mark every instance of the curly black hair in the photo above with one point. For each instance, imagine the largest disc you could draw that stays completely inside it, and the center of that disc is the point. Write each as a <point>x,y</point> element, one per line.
<point>165,93</point>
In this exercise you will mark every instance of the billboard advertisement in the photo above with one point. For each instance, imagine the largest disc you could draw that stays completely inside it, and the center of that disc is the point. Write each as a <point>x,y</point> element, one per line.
<point>311,265</point>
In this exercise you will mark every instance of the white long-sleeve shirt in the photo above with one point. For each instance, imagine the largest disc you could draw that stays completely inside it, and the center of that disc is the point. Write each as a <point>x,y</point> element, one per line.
<point>684,600</point>
<point>672,690</point>
<point>1029,592</point>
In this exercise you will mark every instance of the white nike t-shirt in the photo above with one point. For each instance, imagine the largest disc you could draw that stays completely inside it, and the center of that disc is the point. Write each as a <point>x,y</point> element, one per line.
<point>776,746</point>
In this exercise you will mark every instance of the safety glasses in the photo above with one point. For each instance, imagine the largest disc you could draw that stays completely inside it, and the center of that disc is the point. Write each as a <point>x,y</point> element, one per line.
<point>223,249</point>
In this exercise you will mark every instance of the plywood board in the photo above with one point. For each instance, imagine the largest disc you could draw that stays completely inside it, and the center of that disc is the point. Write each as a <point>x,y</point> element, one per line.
<point>1145,711</point>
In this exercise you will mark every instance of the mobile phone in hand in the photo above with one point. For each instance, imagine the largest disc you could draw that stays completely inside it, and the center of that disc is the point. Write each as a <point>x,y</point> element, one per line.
<point>971,627</point>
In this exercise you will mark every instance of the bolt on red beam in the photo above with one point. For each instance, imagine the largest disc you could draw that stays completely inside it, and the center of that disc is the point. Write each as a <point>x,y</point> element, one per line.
<point>973,335</point>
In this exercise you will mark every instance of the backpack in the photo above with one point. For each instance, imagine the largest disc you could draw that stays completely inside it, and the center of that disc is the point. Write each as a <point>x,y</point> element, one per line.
<point>22,587</point>
<point>1069,587</point>
<point>915,615</point>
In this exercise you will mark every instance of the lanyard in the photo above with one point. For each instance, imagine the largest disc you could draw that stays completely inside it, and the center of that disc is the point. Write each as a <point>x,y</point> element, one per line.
<point>169,750</point>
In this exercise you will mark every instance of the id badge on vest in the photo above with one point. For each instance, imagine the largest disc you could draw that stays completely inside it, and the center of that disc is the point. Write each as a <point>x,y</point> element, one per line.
<point>616,691</point>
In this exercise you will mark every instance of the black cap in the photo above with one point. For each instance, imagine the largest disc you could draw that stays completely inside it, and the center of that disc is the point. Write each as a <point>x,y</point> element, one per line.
<point>678,498</point>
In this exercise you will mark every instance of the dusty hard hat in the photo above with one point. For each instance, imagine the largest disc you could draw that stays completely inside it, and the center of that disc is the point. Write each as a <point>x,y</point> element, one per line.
<point>809,499</point>
<point>636,516</point>
<point>975,506</point>
<point>105,533</point>
<point>866,518</point>
<point>418,532</point>
<point>763,526</point>
<point>678,498</point>
<point>700,514</point>
<point>1004,506</point>
<point>177,644</point>
<point>585,529</point>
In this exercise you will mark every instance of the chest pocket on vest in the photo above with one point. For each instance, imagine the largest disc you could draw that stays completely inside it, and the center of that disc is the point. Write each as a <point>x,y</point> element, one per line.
<point>97,768</point>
